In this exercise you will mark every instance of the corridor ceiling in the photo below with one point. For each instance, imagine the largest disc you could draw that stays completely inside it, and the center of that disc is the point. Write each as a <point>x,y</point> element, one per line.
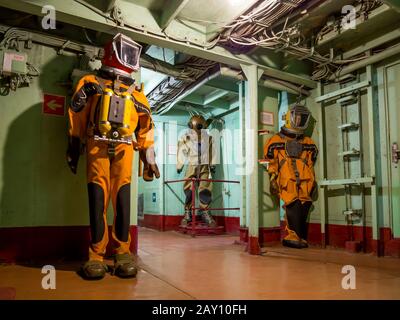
<point>296,43</point>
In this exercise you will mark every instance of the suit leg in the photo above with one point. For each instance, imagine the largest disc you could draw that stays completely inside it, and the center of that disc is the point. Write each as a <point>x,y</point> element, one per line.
<point>98,177</point>
<point>121,172</point>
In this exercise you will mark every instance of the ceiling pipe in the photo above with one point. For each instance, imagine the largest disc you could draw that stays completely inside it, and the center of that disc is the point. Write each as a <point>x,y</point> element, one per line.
<point>394,4</point>
<point>202,81</point>
<point>270,83</point>
<point>365,62</point>
<point>237,75</point>
<point>161,66</point>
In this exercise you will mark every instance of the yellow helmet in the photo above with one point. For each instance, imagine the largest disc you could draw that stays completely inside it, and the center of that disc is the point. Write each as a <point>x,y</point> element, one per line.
<point>297,119</point>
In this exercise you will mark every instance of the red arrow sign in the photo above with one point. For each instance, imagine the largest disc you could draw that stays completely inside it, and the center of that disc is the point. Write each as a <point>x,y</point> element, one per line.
<point>54,105</point>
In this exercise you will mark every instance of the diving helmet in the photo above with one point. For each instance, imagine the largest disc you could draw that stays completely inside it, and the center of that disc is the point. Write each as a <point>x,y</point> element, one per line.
<point>197,123</point>
<point>122,54</point>
<point>297,119</point>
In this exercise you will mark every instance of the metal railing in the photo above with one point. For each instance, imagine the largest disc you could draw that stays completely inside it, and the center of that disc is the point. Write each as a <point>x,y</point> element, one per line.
<point>193,189</point>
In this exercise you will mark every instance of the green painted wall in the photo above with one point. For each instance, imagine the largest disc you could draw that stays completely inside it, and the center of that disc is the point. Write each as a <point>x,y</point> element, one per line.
<point>167,200</point>
<point>37,188</point>
<point>315,214</point>
<point>224,195</point>
<point>227,195</point>
<point>333,145</point>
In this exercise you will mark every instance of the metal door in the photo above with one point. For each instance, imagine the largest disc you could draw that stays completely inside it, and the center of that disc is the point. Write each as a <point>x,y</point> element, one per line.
<point>392,97</point>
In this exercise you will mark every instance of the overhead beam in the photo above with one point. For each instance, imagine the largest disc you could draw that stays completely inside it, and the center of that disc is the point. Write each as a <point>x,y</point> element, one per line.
<point>82,16</point>
<point>221,104</point>
<point>199,100</point>
<point>171,11</point>
<point>110,5</point>
<point>215,95</point>
<point>103,5</point>
<point>379,14</point>
<point>194,98</point>
<point>231,88</point>
<point>395,4</point>
<point>385,38</point>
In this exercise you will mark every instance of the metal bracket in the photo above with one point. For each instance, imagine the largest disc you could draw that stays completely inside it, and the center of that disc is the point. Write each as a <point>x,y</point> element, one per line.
<point>395,153</point>
<point>105,139</point>
<point>346,182</point>
<point>61,49</point>
<point>347,100</point>
<point>349,126</point>
<point>352,212</point>
<point>348,90</point>
<point>349,153</point>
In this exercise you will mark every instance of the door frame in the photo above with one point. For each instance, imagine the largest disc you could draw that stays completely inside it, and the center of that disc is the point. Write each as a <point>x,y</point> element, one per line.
<point>389,143</point>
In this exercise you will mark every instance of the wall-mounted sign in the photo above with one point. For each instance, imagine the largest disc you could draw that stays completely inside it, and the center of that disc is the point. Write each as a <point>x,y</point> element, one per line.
<point>267,118</point>
<point>53,104</point>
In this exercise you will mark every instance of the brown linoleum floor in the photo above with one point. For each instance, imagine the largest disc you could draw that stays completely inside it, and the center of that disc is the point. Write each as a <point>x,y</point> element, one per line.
<point>176,266</point>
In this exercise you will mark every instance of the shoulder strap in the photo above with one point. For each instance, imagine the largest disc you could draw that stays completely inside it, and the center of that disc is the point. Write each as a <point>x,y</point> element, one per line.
<point>101,83</point>
<point>131,89</point>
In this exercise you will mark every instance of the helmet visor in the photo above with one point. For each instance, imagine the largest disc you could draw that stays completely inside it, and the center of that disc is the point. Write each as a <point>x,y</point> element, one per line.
<point>299,119</point>
<point>127,51</point>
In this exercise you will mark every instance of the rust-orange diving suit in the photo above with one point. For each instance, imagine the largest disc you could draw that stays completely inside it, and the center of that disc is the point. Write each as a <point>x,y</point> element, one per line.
<point>292,156</point>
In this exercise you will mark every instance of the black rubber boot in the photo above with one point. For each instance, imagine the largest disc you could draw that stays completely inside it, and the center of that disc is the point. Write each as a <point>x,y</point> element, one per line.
<point>187,218</point>
<point>295,244</point>
<point>207,218</point>
<point>125,266</point>
<point>94,270</point>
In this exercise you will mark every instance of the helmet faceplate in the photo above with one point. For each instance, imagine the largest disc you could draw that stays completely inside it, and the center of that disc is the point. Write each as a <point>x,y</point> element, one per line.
<point>297,118</point>
<point>122,53</point>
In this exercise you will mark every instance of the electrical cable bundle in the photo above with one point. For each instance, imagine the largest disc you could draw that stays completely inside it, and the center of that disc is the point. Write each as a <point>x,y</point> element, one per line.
<point>12,37</point>
<point>11,40</point>
<point>171,87</point>
<point>256,29</point>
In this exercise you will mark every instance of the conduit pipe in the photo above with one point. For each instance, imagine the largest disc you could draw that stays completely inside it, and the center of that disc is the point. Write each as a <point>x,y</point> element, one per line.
<point>275,84</point>
<point>192,89</point>
<point>267,82</point>
<point>368,61</point>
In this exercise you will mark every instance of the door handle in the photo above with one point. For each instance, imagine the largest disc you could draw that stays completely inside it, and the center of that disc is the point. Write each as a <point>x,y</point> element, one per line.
<point>395,153</point>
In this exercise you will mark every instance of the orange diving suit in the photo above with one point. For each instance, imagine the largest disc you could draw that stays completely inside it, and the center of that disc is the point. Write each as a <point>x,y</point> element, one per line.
<point>291,157</point>
<point>106,110</point>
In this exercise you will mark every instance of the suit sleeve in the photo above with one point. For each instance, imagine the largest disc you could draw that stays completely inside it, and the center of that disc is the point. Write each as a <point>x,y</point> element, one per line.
<point>213,155</point>
<point>271,154</point>
<point>79,109</point>
<point>312,154</point>
<point>181,153</point>
<point>145,129</point>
